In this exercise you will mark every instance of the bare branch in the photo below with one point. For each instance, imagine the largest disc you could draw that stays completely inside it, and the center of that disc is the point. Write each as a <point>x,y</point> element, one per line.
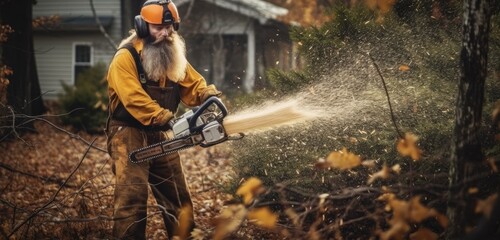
<point>388,98</point>
<point>47,179</point>
<point>52,199</point>
<point>101,28</point>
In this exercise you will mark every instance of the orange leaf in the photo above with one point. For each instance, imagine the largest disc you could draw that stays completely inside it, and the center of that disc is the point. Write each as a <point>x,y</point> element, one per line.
<point>408,147</point>
<point>485,206</point>
<point>423,234</point>
<point>228,221</point>
<point>249,189</point>
<point>419,212</point>
<point>263,217</point>
<point>343,159</point>
<point>383,174</point>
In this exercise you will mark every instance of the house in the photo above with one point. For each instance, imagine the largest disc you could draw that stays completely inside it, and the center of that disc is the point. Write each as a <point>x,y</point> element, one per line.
<point>230,42</point>
<point>233,42</point>
<point>74,42</point>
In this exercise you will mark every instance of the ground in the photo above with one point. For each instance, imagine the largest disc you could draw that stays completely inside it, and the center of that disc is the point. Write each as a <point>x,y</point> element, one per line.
<point>54,185</point>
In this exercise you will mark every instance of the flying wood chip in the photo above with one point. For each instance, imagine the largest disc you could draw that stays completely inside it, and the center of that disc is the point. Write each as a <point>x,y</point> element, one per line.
<point>404,68</point>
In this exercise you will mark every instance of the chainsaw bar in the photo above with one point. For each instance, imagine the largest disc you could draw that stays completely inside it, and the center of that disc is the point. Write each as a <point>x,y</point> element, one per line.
<point>164,148</point>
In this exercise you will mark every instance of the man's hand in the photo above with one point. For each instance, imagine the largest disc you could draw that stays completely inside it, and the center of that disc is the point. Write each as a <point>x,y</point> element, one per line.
<point>209,93</point>
<point>162,120</point>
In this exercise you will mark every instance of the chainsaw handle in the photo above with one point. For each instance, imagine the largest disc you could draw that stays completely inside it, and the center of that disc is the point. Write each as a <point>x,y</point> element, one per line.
<point>212,100</point>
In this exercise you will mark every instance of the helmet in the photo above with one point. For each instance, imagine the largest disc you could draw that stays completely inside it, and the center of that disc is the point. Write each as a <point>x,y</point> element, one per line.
<point>156,12</point>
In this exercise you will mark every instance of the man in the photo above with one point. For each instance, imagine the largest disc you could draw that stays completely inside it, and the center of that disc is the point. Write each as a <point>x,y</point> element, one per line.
<point>144,92</point>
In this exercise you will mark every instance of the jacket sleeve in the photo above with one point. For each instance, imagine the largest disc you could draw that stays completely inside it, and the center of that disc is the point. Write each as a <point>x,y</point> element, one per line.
<point>194,88</point>
<point>123,80</point>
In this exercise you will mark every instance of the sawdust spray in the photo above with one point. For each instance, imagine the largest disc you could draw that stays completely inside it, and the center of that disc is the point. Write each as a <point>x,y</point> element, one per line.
<point>331,101</point>
<point>275,115</point>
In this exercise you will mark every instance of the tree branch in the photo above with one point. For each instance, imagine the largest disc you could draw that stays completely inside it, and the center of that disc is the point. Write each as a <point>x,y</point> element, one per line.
<point>47,179</point>
<point>101,28</point>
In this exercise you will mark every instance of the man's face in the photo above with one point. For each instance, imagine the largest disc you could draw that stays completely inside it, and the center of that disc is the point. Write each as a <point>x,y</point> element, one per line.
<point>160,32</point>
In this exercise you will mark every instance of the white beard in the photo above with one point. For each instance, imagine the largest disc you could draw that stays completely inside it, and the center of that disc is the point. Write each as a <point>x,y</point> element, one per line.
<point>166,57</point>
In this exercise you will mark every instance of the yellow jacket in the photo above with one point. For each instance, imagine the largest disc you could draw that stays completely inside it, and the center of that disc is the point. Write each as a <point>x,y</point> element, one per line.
<point>124,87</point>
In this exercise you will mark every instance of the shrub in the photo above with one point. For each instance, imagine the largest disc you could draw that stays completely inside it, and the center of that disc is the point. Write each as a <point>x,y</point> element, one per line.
<point>85,104</point>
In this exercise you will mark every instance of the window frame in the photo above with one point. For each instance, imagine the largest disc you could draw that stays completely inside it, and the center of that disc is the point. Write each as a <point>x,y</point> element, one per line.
<point>75,63</point>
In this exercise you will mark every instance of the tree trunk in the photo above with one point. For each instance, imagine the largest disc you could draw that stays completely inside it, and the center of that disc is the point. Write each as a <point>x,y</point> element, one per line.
<point>466,154</point>
<point>24,93</point>
<point>130,8</point>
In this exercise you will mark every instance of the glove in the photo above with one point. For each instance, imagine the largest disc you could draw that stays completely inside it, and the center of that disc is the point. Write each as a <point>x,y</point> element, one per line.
<point>163,119</point>
<point>209,93</point>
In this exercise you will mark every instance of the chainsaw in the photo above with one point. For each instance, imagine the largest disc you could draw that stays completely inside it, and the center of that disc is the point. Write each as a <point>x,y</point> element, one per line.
<point>198,126</point>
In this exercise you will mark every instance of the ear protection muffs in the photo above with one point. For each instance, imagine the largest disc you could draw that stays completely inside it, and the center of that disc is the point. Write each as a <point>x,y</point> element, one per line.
<point>141,27</point>
<point>156,12</point>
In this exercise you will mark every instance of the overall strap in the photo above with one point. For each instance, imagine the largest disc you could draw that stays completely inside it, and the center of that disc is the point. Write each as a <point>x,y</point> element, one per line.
<point>140,70</point>
<point>167,97</point>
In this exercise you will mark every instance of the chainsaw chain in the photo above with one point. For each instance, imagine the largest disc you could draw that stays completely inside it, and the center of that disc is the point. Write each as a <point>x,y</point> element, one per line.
<point>161,154</point>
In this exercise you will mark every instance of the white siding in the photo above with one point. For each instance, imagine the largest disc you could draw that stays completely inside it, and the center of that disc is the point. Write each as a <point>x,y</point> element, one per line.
<point>54,50</point>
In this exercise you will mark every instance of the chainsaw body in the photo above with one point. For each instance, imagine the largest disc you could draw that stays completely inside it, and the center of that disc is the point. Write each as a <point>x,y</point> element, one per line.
<point>205,120</point>
<point>199,126</point>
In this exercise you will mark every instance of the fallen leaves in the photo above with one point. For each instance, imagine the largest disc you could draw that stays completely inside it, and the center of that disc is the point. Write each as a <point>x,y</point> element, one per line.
<point>232,217</point>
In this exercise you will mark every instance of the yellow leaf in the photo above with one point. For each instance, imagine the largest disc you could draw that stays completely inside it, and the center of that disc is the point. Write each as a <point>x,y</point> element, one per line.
<point>263,217</point>
<point>419,212</point>
<point>369,163</point>
<point>404,68</point>
<point>185,220</point>
<point>228,221</point>
<point>343,159</point>
<point>396,168</point>
<point>249,189</point>
<point>408,147</point>
<point>197,234</point>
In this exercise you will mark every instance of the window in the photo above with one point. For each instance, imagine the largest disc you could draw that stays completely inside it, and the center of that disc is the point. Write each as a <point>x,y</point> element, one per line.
<point>83,59</point>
